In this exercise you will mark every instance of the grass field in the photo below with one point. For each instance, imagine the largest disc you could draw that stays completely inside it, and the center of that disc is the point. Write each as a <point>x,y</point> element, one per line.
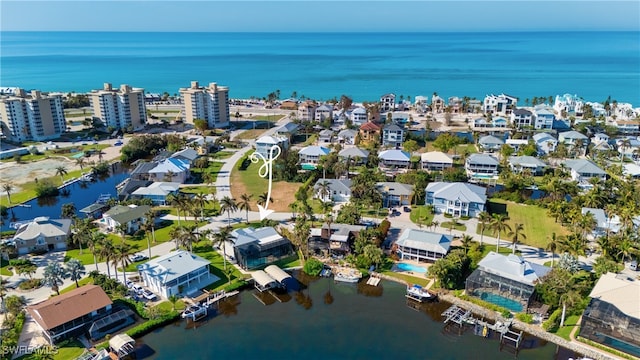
<point>421,215</point>
<point>538,226</point>
<point>569,324</point>
<point>221,155</point>
<point>250,134</point>
<point>213,169</point>
<point>455,226</point>
<point>248,181</point>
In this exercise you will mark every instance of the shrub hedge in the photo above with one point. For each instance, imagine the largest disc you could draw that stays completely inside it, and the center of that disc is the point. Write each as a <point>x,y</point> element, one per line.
<point>553,322</point>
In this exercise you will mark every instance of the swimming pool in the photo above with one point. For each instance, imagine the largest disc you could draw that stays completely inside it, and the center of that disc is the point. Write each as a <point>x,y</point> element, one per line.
<point>501,301</point>
<point>411,267</point>
<point>620,345</point>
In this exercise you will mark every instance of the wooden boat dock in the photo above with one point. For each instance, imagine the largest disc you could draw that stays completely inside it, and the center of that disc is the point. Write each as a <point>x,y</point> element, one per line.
<point>373,280</point>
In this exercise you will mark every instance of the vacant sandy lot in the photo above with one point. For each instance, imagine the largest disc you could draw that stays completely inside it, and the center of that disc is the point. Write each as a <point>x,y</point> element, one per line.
<point>27,172</point>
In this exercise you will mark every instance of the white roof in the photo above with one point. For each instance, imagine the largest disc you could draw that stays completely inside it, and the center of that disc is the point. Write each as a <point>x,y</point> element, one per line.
<point>262,278</point>
<point>267,139</point>
<point>526,161</point>
<point>573,135</point>
<point>490,139</point>
<point>353,152</point>
<point>631,169</point>
<point>275,272</point>
<point>513,267</point>
<point>458,191</point>
<point>172,265</point>
<point>120,340</point>
<point>544,137</point>
<point>582,166</point>
<point>394,154</point>
<point>263,235</point>
<point>158,188</point>
<point>43,226</point>
<point>174,165</point>
<point>436,157</point>
<point>482,159</point>
<point>424,240</point>
<point>619,290</point>
<point>314,151</point>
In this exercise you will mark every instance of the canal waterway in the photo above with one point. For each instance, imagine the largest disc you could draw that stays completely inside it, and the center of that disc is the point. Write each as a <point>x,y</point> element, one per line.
<point>360,323</point>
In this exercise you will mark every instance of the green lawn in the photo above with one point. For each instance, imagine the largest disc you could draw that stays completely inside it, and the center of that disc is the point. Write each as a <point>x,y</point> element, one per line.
<point>213,169</point>
<point>166,306</point>
<point>196,189</point>
<point>28,190</point>
<point>221,155</point>
<point>84,281</point>
<point>4,268</point>
<point>249,181</point>
<point>250,134</point>
<point>421,215</point>
<point>205,250</point>
<point>310,141</point>
<point>456,226</point>
<point>408,278</point>
<point>569,324</point>
<point>538,226</point>
<point>273,118</point>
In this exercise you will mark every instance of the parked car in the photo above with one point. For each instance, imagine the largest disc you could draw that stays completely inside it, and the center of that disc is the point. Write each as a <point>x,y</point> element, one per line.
<point>138,257</point>
<point>148,295</point>
<point>406,209</point>
<point>129,284</point>
<point>138,289</point>
<point>118,143</point>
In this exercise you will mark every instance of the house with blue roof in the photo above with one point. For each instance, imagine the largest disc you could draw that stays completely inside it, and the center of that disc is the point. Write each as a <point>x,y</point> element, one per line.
<point>171,170</point>
<point>457,199</point>
<point>481,166</point>
<point>422,246</point>
<point>394,159</point>
<point>253,248</point>
<point>309,157</point>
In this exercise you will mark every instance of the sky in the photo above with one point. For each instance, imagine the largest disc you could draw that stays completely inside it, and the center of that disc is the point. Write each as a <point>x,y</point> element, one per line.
<point>319,15</point>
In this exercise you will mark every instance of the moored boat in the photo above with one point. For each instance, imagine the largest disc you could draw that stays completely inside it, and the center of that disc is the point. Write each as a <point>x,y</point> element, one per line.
<point>347,275</point>
<point>418,293</point>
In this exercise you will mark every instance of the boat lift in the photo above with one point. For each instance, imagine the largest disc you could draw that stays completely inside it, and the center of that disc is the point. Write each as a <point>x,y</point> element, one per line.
<point>460,316</point>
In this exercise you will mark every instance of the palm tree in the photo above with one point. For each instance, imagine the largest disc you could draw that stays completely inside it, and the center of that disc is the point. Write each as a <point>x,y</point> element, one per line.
<point>499,224</point>
<point>122,230</point>
<point>517,233</point>
<point>75,270</point>
<point>245,204</point>
<point>221,237</point>
<point>168,176</point>
<point>94,240</point>
<point>201,200</point>
<point>8,187</point>
<point>54,276</point>
<point>262,199</point>
<point>106,253</point>
<point>122,254</point>
<point>150,222</point>
<point>68,211</point>
<point>485,219</point>
<point>176,200</point>
<point>173,299</point>
<point>228,205</point>
<point>62,171</point>
<point>552,245</point>
<point>466,242</point>
<point>324,190</point>
<point>80,162</point>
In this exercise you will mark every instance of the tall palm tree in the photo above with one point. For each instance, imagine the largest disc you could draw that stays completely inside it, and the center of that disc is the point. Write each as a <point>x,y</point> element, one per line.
<point>324,190</point>
<point>75,270</point>
<point>122,230</point>
<point>517,234</point>
<point>485,219</point>
<point>80,162</point>
<point>245,204</point>
<point>552,245</point>
<point>94,241</point>
<point>228,205</point>
<point>8,188</point>
<point>150,223</point>
<point>176,201</point>
<point>168,176</point>
<point>122,254</point>
<point>498,225</point>
<point>54,276</point>
<point>62,171</point>
<point>262,199</point>
<point>201,200</point>
<point>466,242</point>
<point>221,238</point>
<point>106,252</point>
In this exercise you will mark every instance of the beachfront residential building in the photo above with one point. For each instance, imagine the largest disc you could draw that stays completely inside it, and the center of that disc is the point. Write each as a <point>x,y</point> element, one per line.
<point>332,190</point>
<point>522,118</point>
<point>394,159</point>
<point>505,279</point>
<point>171,170</point>
<point>325,136</point>
<point>31,116</point>
<point>128,217</point>
<point>347,136</point>
<point>42,234</point>
<point>393,135</point>
<point>358,116</point>
<point>420,103</point>
<point>157,192</point>
<point>457,199</point>
<point>177,273</point>
<point>437,103</point>
<point>582,170</point>
<point>370,131</point>
<point>481,166</point>
<point>422,246</point>
<point>309,157</point>
<point>490,143</point>
<point>600,138</point>
<point>499,104</point>
<point>122,108</point>
<point>612,317</point>
<point>70,315</point>
<point>530,164</point>
<point>544,117</point>
<point>257,247</point>
<point>324,111</point>
<point>354,155</point>
<point>545,143</point>
<point>455,104</point>
<point>307,110</point>
<point>265,143</point>
<point>395,193</point>
<point>573,138</point>
<point>208,103</point>
<point>436,161</point>
<point>624,111</point>
<point>569,104</point>
<point>628,127</point>
<point>496,122</point>
<point>387,102</point>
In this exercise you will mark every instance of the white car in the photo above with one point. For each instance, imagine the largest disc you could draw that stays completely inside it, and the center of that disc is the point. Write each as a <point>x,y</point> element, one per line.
<point>148,295</point>
<point>137,288</point>
<point>138,257</point>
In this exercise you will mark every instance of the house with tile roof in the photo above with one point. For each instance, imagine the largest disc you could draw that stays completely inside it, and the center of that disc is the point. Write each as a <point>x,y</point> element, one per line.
<point>42,234</point>
<point>370,131</point>
<point>457,199</point>
<point>176,273</point>
<point>422,246</point>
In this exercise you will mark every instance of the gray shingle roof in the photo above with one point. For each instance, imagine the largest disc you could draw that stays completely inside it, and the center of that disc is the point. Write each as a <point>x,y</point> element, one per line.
<point>490,140</point>
<point>124,214</point>
<point>343,185</point>
<point>353,152</point>
<point>582,166</point>
<point>424,240</point>
<point>526,161</point>
<point>43,226</point>
<point>482,159</point>
<point>395,188</point>
<point>397,155</point>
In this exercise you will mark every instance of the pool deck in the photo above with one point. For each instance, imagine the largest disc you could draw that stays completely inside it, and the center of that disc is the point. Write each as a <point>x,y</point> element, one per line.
<point>412,273</point>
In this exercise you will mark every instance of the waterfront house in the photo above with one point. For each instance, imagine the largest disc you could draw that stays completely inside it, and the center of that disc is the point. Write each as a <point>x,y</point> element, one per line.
<point>347,136</point>
<point>338,190</point>
<point>436,161</point>
<point>157,192</point>
<point>133,216</point>
<point>141,170</point>
<point>356,155</point>
<point>358,116</point>
<point>395,194</point>
<point>177,273</point>
<point>522,118</point>
<point>392,136</point>
<point>490,143</point>
<point>188,155</point>
<point>612,317</point>
<point>324,111</point>
<point>457,199</point>
<point>604,223</point>
<point>569,104</point>
<point>265,143</point>
<point>455,104</point>
<point>507,280</point>
<point>387,102</point>
<point>582,170</point>
<point>481,166</point>
<point>394,159</point>
<point>70,315</point>
<point>497,122</point>
<point>128,186</point>
<point>309,156</point>
<point>499,104</point>
<point>517,144</point>
<point>171,170</point>
<point>420,103</point>
<point>422,246</point>
<point>533,165</point>
<point>545,143</point>
<point>42,234</point>
<point>437,103</point>
<point>257,247</point>
<point>543,116</point>
<point>400,118</point>
<point>370,131</point>
<point>307,110</point>
<point>325,136</point>
<point>94,211</point>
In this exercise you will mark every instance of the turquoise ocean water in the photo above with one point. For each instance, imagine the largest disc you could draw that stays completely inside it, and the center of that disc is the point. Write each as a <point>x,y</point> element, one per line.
<point>593,65</point>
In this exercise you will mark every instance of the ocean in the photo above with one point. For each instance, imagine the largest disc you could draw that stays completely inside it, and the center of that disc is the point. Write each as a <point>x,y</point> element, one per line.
<point>593,65</point>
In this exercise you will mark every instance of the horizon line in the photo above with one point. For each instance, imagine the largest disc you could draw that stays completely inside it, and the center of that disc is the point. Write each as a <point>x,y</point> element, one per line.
<point>335,32</point>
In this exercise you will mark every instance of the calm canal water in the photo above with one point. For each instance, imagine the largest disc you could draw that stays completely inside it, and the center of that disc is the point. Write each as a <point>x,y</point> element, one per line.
<point>354,326</point>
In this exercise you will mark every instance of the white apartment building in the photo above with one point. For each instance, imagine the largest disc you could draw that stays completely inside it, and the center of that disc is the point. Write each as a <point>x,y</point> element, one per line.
<point>119,108</point>
<point>31,116</point>
<point>209,103</point>
<point>499,104</point>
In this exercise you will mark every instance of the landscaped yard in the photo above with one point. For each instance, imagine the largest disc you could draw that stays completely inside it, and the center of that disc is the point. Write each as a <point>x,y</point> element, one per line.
<point>248,181</point>
<point>454,225</point>
<point>213,169</point>
<point>569,324</point>
<point>250,134</point>
<point>421,214</point>
<point>221,155</point>
<point>538,226</point>
<point>206,251</point>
